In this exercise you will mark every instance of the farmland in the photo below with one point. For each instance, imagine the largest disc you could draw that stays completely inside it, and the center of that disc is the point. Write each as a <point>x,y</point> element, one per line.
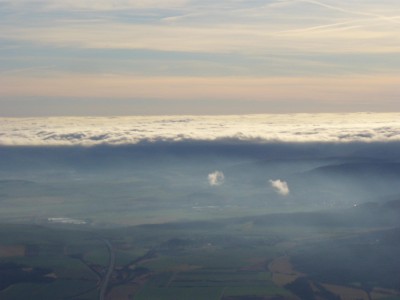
<point>201,260</point>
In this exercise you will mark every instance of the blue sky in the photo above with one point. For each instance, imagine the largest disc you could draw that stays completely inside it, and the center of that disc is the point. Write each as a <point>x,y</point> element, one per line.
<point>178,57</point>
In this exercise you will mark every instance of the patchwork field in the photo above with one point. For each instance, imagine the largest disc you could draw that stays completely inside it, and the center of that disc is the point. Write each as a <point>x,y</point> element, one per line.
<point>200,261</point>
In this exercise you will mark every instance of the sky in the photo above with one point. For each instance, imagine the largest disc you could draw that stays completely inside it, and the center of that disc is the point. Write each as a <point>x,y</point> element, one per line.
<point>174,57</point>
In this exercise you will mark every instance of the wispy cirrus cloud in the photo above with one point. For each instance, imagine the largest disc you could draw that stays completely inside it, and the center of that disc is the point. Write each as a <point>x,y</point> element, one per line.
<point>334,53</point>
<point>232,26</point>
<point>96,5</point>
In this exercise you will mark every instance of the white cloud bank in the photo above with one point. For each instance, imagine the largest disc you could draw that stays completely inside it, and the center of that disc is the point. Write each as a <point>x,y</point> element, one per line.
<point>281,187</point>
<point>216,178</point>
<point>89,131</point>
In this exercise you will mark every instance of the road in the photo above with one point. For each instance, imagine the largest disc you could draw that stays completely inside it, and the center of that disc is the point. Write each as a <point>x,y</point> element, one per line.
<point>111,265</point>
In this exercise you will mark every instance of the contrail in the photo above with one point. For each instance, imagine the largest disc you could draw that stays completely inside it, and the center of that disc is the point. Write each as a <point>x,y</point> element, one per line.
<point>326,27</point>
<point>337,26</point>
<point>360,13</point>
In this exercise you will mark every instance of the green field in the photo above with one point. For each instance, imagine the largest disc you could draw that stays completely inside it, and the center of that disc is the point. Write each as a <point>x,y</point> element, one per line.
<point>226,258</point>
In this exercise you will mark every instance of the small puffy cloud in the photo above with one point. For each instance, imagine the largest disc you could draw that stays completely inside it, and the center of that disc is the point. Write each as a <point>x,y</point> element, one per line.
<point>216,178</point>
<point>281,187</point>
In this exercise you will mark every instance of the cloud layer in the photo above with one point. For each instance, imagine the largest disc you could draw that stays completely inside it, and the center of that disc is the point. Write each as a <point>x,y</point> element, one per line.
<point>88,131</point>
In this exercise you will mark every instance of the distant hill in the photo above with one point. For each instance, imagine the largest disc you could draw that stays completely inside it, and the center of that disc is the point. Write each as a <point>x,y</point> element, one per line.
<point>375,169</point>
